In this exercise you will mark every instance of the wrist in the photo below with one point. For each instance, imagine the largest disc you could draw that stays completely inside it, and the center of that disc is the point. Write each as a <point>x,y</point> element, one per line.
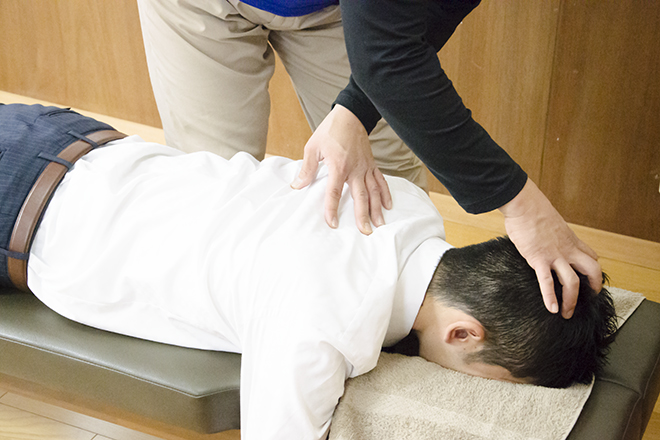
<point>522,203</point>
<point>354,99</point>
<point>345,115</point>
<point>345,119</point>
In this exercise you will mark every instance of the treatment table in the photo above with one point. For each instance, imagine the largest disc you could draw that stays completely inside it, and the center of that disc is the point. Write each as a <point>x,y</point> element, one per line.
<point>199,390</point>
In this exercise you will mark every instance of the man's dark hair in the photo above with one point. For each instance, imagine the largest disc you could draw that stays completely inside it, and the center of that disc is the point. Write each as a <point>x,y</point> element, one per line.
<point>492,282</point>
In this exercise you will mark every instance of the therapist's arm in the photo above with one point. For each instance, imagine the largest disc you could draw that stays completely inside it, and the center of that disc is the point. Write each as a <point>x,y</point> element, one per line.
<point>392,48</point>
<point>400,74</point>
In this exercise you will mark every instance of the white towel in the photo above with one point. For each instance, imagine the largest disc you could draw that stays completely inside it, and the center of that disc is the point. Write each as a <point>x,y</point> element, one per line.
<point>410,398</point>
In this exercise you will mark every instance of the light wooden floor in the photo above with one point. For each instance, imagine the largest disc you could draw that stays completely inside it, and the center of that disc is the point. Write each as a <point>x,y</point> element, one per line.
<point>632,264</point>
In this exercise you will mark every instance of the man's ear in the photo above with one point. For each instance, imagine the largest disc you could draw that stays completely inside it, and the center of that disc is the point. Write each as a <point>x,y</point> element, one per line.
<point>464,332</point>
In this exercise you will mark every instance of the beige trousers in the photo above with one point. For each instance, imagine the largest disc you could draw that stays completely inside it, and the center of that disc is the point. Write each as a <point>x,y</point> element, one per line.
<point>210,62</point>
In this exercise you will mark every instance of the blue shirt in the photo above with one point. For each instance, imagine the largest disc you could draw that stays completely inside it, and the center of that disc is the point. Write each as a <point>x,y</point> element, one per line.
<point>291,8</point>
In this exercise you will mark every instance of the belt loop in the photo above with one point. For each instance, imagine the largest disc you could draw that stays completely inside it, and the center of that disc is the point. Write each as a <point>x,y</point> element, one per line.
<point>53,158</point>
<point>15,255</point>
<point>83,138</point>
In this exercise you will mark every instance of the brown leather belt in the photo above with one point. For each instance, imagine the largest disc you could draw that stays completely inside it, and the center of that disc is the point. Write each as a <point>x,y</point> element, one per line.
<point>38,198</point>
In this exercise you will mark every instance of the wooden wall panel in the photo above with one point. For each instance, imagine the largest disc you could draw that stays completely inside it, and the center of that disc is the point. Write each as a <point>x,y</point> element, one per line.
<point>570,89</point>
<point>500,60</point>
<point>602,154</point>
<point>88,54</point>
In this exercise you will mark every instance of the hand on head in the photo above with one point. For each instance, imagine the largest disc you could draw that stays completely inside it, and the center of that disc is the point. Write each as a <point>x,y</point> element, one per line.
<point>542,236</point>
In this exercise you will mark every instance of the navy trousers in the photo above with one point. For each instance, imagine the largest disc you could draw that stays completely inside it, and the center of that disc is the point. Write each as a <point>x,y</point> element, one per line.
<point>31,136</point>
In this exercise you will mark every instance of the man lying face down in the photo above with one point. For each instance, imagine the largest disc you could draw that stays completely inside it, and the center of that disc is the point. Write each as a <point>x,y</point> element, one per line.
<point>486,319</point>
<point>199,251</point>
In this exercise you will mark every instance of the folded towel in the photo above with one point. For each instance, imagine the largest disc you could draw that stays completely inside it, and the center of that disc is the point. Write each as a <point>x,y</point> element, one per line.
<point>410,398</point>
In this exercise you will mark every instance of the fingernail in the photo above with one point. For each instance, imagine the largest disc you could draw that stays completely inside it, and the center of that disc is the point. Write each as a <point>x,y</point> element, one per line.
<point>296,183</point>
<point>367,228</point>
<point>554,308</point>
<point>334,223</point>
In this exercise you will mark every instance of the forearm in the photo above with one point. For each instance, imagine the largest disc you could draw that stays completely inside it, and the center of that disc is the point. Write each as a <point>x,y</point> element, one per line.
<point>392,48</point>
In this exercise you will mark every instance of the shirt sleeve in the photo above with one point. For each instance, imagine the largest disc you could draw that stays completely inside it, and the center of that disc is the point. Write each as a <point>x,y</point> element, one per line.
<point>392,47</point>
<point>289,391</point>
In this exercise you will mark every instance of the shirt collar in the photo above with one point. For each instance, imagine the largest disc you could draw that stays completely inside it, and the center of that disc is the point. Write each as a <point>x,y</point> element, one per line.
<point>411,287</point>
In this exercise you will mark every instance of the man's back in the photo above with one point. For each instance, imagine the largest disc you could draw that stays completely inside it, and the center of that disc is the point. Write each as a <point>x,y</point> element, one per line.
<point>198,251</point>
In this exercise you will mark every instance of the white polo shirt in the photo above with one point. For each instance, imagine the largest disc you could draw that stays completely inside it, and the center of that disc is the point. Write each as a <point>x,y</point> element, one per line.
<point>199,251</point>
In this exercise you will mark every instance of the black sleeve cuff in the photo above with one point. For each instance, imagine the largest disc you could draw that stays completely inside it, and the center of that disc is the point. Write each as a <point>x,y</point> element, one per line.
<point>514,185</point>
<point>354,99</point>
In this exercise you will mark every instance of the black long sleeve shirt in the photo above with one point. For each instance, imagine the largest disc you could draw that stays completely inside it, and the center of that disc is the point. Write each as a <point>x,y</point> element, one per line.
<point>392,47</point>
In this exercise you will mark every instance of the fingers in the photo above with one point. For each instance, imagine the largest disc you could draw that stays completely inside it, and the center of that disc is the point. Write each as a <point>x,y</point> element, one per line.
<point>361,195</point>
<point>568,278</point>
<point>583,260</point>
<point>587,264</point>
<point>370,196</point>
<point>547,285</point>
<point>310,165</point>
<point>333,192</point>
<point>385,195</point>
<point>375,200</point>
<point>570,286</point>
<point>367,192</point>
<point>590,267</point>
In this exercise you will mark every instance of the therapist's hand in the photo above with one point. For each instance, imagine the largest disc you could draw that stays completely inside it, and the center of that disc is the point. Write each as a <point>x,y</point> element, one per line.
<point>342,143</point>
<point>547,243</point>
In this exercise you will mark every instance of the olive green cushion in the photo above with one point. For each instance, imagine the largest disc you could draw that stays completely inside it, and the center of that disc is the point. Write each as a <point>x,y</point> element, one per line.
<point>194,389</point>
